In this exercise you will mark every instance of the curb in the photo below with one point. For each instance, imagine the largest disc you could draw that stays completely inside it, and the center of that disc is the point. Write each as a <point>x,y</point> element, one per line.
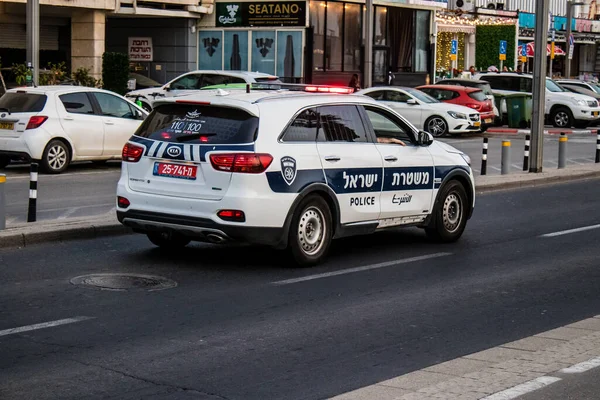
<point>47,234</point>
<point>486,187</point>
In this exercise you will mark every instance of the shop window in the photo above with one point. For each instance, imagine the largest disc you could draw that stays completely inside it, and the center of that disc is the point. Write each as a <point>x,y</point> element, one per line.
<point>235,50</point>
<point>352,16</point>
<point>317,21</point>
<point>334,40</point>
<point>380,36</point>
<point>210,49</point>
<point>421,40</point>
<point>289,55</point>
<point>263,52</point>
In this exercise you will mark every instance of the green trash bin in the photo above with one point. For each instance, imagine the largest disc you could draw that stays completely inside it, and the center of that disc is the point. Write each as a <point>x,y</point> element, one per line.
<point>518,107</point>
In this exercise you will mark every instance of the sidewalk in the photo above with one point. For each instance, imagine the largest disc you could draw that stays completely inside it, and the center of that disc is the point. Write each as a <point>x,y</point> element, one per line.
<point>23,235</point>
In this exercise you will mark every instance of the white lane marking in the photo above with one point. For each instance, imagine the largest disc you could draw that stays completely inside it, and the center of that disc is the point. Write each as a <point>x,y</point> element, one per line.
<point>363,268</point>
<point>496,168</point>
<point>69,212</point>
<point>517,166</point>
<point>43,325</point>
<point>552,162</point>
<point>570,160</point>
<point>582,367</point>
<point>60,176</point>
<point>523,388</point>
<point>569,231</point>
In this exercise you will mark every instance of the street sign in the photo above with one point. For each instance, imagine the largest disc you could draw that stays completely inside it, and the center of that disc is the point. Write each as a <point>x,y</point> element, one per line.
<point>454,50</point>
<point>524,53</point>
<point>503,46</point>
<point>571,46</point>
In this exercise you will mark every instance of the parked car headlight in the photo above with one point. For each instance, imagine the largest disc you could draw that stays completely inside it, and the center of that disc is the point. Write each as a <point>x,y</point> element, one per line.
<point>456,115</point>
<point>579,102</point>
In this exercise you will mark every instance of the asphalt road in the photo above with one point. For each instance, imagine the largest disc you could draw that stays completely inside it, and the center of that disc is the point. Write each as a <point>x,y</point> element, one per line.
<point>236,327</point>
<point>87,189</point>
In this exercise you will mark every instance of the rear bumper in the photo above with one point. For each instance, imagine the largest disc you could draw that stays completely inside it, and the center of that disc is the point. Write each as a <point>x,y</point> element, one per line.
<point>15,155</point>
<point>201,229</point>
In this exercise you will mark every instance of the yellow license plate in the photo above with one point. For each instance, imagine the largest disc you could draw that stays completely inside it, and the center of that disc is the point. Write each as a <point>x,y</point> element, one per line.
<point>477,123</point>
<point>596,113</point>
<point>7,125</point>
<point>488,121</point>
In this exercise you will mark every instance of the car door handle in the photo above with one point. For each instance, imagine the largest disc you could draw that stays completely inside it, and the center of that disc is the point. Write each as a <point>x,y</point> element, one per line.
<point>69,119</point>
<point>391,158</point>
<point>332,158</point>
<point>109,122</point>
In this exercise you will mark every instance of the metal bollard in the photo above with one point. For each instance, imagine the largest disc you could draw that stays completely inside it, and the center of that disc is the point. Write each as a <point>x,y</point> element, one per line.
<point>598,147</point>
<point>505,167</point>
<point>2,202</point>
<point>526,153</point>
<point>562,150</point>
<point>33,179</point>
<point>484,156</point>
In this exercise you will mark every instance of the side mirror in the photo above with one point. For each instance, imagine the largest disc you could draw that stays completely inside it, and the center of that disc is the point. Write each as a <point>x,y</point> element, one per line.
<point>411,102</point>
<point>167,88</point>
<point>139,115</point>
<point>424,138</point>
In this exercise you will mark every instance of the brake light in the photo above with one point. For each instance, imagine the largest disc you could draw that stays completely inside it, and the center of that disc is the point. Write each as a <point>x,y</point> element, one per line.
<point>36,122</point>
<point>475,106</point>
<point>122,202</point>
<point>329,89</point>
<point>232,215</point>
<point>248,163</point>
<point>132,152</point>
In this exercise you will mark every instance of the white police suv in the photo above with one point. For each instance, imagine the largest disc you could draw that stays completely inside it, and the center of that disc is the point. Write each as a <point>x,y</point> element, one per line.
<point>286,169</point>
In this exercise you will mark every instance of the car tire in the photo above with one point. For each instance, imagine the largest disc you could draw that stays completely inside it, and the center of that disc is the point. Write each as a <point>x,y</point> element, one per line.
<point>56,157</point>
<point>449,217</point>
<point>562,117</point>
<point>437,126</point>
<point>4,161</point>
<point>311,231</point>
<point>168,240</point>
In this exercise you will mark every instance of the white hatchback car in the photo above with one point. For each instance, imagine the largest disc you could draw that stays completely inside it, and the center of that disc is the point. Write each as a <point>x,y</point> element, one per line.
<point>425,112</point>
<point>56,125</point>
<point>196,80</point>
<point>289,170</point>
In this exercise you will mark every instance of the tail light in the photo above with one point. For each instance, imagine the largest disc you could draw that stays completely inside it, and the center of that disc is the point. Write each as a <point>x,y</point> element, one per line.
<point>232,215</point>
<point>123,202</point>
<point>36,122</point>
<point>132,152</point>
<point>249,163</point>
<point>475,106</point>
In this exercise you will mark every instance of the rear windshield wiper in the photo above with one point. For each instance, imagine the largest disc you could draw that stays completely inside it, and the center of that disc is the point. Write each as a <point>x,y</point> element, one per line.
<point>194,136</point>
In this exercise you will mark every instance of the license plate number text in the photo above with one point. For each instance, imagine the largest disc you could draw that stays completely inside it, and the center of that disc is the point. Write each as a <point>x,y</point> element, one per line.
<point>175,171</point>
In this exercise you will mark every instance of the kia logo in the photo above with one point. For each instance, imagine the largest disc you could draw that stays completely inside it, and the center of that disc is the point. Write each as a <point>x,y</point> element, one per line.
<point>174,151</point>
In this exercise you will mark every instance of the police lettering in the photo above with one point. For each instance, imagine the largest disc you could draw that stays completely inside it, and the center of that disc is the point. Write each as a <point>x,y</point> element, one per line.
<point>362,201</point>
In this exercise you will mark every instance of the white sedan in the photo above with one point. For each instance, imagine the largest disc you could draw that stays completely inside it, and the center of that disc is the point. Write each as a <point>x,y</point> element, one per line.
<point>425,112</point>
<point>189,82</point>
<point>56,125</point>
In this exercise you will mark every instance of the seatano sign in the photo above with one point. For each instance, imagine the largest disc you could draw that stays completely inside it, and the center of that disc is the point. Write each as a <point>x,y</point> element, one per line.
<point>274,13</point>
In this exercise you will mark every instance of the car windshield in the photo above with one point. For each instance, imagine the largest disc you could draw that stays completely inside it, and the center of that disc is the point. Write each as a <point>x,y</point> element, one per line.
<point>197,124</point>
<point>425,98</point>
<point>22,102</point>
<point>595,87</point>
<point>553,86</point>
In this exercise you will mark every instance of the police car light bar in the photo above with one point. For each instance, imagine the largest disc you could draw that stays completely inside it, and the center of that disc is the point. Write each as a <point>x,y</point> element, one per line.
<point>302,88</point>
<point>329,89</point>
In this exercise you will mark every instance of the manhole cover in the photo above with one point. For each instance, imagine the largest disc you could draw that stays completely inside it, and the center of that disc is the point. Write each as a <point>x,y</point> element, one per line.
<point>124,282</point>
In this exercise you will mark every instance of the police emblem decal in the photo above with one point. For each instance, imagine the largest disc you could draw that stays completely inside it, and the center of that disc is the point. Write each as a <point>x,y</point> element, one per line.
<point>288,169</point>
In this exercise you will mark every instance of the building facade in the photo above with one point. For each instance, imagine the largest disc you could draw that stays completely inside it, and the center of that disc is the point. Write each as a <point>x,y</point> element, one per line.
<point>78,32</point>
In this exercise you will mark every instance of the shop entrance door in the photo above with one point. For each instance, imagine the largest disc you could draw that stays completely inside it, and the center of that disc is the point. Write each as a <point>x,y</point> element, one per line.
<point>381,57</point>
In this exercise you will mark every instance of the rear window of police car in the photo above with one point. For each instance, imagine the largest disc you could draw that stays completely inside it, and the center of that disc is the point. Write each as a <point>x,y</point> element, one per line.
<point>197,124</point>
<point>22,102</point>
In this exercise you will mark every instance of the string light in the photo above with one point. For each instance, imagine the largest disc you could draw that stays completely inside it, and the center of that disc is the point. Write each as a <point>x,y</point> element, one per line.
<point>444,46</point>
<point>468,20</point>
